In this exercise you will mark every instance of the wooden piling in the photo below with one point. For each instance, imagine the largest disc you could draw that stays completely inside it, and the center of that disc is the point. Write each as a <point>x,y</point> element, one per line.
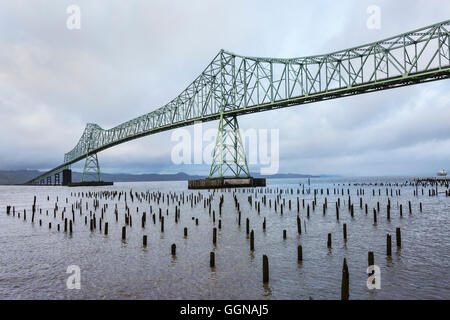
<point>371,262</point>
<point>212,259</point>
<point>345,285</point>
<point>398,237</point>
<point>265,269</point>
<point>388,245</point>
<point>370,258</point>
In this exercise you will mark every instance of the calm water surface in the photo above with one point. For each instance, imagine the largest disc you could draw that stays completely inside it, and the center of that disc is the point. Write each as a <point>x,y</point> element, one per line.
<point>34,259</point>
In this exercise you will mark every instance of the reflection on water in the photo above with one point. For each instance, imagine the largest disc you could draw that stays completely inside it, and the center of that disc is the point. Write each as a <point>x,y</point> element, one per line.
<point>34,258</point>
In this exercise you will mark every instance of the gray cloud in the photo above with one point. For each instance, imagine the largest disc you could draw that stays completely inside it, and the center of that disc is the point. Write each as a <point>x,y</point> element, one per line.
<point>132,57</point>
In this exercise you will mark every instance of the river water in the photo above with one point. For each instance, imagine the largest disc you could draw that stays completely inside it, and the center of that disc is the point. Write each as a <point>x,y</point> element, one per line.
<point>34,259</point>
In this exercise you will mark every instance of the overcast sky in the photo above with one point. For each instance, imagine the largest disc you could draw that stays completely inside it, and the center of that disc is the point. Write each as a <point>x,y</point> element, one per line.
<point>131,57</point>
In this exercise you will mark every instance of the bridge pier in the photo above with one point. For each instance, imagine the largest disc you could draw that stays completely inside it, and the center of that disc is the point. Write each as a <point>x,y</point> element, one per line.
<point>57,178</point>
<point>49,180</point>
<point>66,177</point>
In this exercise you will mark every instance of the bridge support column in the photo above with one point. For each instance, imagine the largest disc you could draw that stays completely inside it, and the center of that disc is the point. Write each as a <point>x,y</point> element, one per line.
<point>57,178</point>
<point>229,154</point>
<point>229,167</point>
<point>49,180</point>
<point>91,170</point>
<point>66,177</point>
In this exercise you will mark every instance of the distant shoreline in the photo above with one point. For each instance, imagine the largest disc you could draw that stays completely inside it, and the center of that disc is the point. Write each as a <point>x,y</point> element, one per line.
<point>18,177</point>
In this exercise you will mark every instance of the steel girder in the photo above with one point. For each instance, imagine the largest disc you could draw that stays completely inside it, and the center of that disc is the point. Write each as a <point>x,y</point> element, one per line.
<point>233,85</point>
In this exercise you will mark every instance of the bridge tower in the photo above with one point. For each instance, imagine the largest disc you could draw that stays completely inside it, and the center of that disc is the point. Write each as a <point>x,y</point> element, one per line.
<point>229,155</point>
<point>91,170</point>
<point>229,168</point>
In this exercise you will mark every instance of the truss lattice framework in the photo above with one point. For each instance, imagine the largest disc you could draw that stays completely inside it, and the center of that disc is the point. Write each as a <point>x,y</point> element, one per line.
<point>234,85</point>
<point>91,170</point>
<point>229,154</point>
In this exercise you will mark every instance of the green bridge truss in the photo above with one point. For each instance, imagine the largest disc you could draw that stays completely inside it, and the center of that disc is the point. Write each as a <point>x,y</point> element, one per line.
<point>233,85</point>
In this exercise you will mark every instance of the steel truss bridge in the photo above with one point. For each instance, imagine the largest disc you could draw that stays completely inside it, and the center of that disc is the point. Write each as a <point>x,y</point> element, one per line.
<point>233,85</point>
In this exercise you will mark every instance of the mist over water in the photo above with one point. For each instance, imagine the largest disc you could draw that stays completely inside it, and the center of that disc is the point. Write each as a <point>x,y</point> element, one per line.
<point>34,258</point>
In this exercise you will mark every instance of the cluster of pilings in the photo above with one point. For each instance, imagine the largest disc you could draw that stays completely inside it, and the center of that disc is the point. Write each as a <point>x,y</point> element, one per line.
<point>97,210</point>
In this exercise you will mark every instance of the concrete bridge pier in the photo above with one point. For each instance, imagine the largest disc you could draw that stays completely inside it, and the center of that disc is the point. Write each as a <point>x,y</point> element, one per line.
<point>66,177</point>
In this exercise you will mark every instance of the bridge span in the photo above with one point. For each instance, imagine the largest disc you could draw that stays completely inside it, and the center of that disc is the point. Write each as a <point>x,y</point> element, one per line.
<point>233,85</point>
